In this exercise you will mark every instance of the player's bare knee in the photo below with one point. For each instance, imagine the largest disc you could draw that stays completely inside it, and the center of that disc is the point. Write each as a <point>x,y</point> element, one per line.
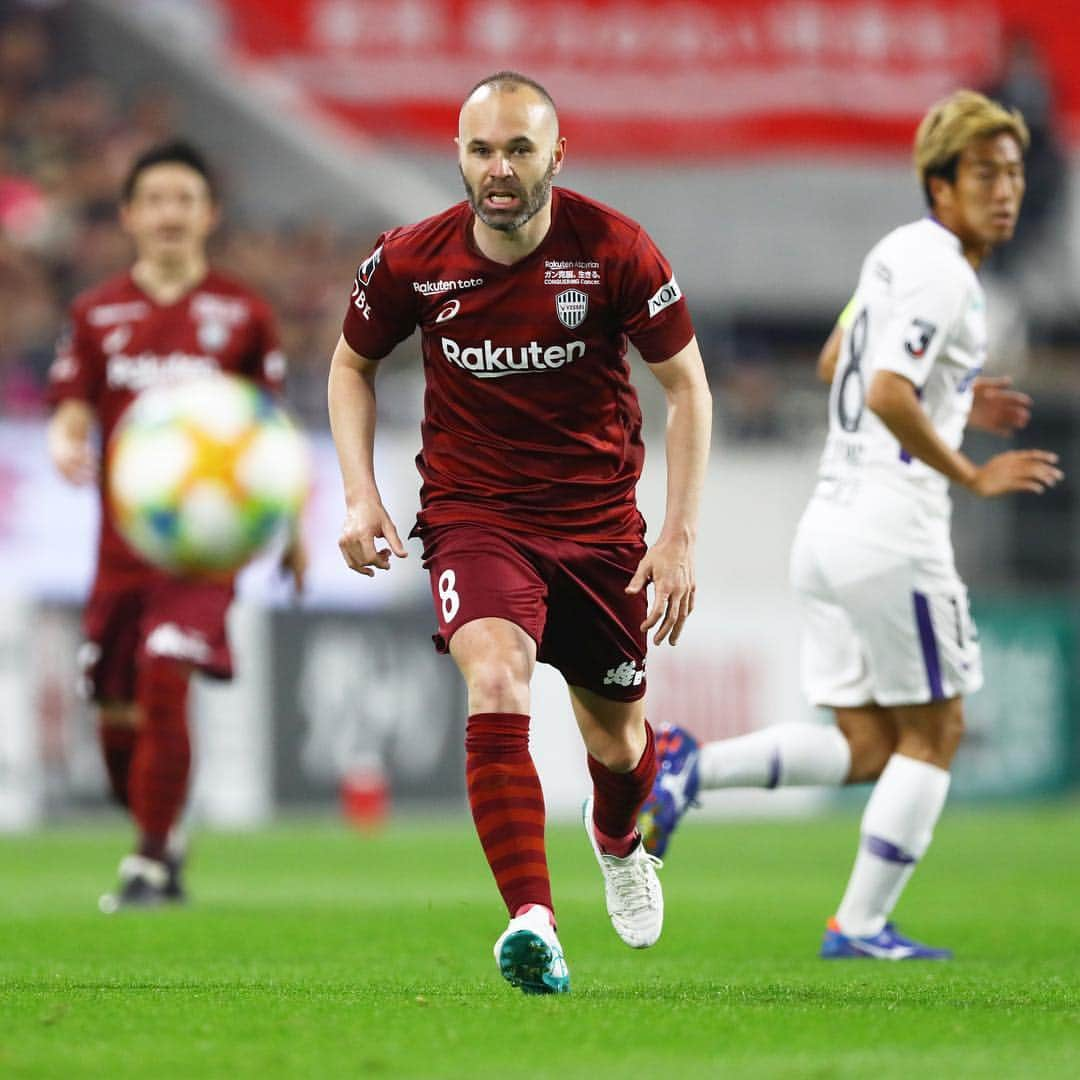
<point>951,731</point>
<point>617,747</point>
<point>870,753</point>
<point>619,755</point>
<point>871,736</point>
<point>497,684</point>
<point>933,733</point>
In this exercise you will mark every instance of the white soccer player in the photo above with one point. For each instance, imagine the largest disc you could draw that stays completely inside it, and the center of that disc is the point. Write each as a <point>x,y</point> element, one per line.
<point>889,644</point>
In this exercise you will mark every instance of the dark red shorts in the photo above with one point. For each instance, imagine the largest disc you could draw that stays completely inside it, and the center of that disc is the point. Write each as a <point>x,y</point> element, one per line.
<point>173,617</point>
<point>568,597</point>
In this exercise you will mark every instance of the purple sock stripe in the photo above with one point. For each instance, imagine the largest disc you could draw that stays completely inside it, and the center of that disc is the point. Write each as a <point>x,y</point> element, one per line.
<point>774,770</point>
<point>883,849</point>
<point>928,643</point>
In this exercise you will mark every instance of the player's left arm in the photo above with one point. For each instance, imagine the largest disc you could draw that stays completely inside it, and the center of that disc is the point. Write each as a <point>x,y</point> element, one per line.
<point>669,562</point>
<point>830,354</point>
<point>830,351</point>
<point>996,407</point>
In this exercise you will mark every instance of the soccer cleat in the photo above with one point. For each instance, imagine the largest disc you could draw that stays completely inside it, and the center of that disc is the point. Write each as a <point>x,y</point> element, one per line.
<point>175,859</point>
<point>635,901</point>
<point>674,790</point>
<point>144,883</point>
<point>530,957</point>
<point>886,944</point>
<point>174,892</point>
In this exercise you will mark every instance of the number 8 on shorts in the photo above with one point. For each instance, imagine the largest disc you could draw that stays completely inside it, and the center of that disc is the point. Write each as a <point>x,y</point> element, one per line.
<point>448,595</point>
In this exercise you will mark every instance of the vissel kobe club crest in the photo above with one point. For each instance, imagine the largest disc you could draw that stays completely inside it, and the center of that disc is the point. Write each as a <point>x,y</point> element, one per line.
<point>212,335</point>
<point>572,305</point>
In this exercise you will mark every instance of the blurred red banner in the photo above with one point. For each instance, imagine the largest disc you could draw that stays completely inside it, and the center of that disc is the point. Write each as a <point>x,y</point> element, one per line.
<point>691,79</point>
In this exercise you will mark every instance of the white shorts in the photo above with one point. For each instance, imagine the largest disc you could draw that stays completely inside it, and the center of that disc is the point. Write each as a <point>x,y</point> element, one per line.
<point>880,627</point>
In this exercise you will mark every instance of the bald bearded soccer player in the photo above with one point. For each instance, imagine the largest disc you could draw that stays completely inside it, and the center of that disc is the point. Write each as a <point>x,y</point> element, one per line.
<point>526,298</point>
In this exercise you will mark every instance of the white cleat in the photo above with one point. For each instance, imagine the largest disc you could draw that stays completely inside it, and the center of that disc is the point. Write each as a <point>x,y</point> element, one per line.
<point>530,957</point>
<point>635,900</point>
<point>143,884</point>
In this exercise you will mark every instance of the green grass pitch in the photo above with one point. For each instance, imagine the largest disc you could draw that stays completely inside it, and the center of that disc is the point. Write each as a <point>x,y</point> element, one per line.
<point>316,951</point>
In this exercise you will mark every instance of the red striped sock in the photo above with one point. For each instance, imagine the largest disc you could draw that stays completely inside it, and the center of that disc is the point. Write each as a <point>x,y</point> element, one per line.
<point>117,743</point>
<point>617,798</point>
<point>162,761</point>
<point>507,805</point>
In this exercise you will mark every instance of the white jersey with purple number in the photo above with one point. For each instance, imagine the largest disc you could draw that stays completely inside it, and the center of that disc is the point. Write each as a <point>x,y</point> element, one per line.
<point>919,311</point>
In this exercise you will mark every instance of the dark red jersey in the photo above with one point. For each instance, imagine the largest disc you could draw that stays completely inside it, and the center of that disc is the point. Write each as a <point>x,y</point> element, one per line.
<point>530,420</point>
<point>121,342</point>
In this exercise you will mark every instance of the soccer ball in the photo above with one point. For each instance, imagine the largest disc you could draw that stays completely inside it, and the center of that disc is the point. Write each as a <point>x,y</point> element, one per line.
<point>204,473</point>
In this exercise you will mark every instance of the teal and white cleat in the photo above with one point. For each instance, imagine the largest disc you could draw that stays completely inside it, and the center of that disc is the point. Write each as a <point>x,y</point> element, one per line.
<point>530,957</point>
<point>635,901</point>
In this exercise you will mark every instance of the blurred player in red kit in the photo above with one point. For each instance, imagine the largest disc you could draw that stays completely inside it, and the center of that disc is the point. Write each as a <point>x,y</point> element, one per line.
<point>169,318</point>
<point>526,297</point>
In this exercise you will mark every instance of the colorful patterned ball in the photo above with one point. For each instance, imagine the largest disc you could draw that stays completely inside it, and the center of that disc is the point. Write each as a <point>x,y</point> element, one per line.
<point>203,474</point>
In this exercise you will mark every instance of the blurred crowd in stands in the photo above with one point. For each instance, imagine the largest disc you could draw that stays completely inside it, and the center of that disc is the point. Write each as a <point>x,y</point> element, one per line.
<point>66,143</point>
<point>67,140</point>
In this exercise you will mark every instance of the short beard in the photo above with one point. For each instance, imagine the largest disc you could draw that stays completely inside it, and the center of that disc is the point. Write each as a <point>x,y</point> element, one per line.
<point>531,204</point>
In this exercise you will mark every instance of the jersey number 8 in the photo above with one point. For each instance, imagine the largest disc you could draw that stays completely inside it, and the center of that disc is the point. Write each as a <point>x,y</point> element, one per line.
<point>851,393</point>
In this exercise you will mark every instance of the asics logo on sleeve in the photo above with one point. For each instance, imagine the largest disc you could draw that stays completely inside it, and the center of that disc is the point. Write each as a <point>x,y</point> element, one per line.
<point>491,361</point>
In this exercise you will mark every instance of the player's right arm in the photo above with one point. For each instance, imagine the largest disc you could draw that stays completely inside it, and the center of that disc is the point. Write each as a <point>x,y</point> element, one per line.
<point>351,400</point>
<point>75,385</point>
<point>70,441</point>
<point>895,400</point>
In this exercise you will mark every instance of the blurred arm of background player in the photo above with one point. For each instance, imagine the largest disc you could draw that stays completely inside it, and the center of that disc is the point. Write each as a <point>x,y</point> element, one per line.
<point>295,560</point>
<point>70,441</point>
<point>996,407</point>
<point>351,400</point>
<point>895,400</point>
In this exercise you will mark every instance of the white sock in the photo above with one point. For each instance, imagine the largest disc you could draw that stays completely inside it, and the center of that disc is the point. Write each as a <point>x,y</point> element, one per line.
<point>897,827</point>
<point>781,755</point>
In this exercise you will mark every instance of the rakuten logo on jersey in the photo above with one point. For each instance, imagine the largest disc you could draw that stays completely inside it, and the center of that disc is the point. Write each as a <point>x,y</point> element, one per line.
<point>433,288</point>
<point>491,361</point>
<point>138,373</point>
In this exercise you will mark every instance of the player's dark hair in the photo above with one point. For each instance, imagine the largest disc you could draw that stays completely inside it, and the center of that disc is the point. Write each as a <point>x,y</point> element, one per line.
<point>176,152</point>
<point>946,172</point>
<point>503,80</point>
